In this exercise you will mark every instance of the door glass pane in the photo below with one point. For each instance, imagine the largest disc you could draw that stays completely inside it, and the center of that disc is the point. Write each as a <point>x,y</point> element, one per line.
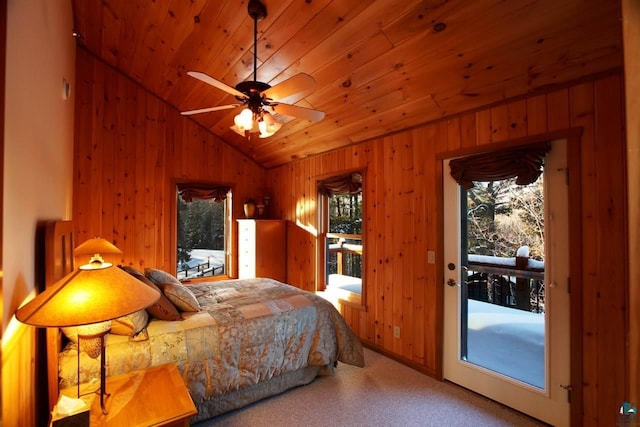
<point>502,302</point>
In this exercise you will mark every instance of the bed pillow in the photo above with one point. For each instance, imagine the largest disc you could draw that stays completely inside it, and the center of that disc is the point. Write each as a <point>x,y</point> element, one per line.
<point>91,346</point>
<point>131,324</point>
<point>159,276</point>
<point>162,309</point>
<point>181,296</point>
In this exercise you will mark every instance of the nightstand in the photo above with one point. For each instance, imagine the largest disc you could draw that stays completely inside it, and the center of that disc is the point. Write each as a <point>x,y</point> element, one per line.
<point>152,397</point>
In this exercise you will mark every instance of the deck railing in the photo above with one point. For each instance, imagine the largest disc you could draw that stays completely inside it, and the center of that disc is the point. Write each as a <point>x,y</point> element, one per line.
<point>345,254</point>
<point>511,282</point>
<point>200,270</point>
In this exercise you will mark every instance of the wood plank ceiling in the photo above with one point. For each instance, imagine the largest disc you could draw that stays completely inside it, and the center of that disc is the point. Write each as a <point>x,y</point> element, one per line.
<point>379,66</point>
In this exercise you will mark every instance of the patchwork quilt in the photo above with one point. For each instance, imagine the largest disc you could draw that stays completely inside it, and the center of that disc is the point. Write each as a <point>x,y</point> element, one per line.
<point>247,331</point>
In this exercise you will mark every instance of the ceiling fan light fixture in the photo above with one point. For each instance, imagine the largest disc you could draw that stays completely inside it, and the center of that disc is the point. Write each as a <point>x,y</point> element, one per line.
<point>237,130</point>
<point>244,120</point>
<point>268,125</point>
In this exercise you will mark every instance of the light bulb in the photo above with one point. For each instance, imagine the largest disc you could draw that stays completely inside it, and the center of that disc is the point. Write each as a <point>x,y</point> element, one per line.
<point>268,125</point>
<point>237,130</point>
<point>244,120</point>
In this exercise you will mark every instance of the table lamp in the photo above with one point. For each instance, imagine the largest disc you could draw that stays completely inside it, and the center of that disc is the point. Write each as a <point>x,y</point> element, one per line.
<point>90,298</point>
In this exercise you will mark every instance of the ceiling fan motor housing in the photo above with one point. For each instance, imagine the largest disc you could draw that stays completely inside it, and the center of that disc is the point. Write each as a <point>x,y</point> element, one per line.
<point>257,10</point>
<point>253,90</point>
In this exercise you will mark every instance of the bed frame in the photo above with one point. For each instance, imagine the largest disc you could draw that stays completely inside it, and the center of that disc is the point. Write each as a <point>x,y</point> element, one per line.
<point>59,261</point>
<point>59,244</point>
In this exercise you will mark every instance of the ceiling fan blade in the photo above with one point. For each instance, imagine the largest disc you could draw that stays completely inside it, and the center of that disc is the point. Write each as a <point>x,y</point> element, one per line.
<point>299,112</point>
<point>298,83</point>
<point>215,83</point>
<point>208,110</point>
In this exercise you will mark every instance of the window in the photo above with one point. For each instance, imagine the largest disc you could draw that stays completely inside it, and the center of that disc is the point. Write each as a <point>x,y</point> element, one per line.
<point>204,228</point>
<point>342,263</point>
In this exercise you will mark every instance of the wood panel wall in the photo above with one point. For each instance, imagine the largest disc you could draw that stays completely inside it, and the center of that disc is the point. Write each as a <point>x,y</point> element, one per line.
<point>19,383</point>
<point>130,150</point>
<point>402,216</point>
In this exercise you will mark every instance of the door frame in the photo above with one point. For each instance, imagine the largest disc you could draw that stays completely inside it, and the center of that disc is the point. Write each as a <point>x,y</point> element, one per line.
<point>573,138</point>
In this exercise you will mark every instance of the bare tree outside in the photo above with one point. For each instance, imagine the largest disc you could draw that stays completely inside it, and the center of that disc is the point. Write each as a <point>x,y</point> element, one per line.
<point>503,216</point>
<point>505,231</point>
<point>200,237</point>
<point>345,217</point>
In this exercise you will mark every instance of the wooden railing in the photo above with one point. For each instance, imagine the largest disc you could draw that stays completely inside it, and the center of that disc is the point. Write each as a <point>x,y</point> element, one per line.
<point>200,270</point>
<point>344,247</point>
<point>511,282</point>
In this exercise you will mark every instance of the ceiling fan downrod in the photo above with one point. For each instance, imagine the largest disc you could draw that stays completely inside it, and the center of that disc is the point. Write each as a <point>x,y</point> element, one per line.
<point>258,12</point>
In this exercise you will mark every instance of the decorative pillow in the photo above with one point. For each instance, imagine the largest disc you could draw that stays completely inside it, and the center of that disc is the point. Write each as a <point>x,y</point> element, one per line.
<point>91,346</point>
<point>131,324</point>
<point>162,309</point>
<point>181,296</point>
<point>131,270</point>
<point>158,276</point>
<point>70,332</point>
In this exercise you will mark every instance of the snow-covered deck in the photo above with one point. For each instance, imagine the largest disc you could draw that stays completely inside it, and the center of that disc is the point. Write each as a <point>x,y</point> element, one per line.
<point>508,341</point>
<point>502,339</point>
<point>345,283</point>
<point>215,258</point>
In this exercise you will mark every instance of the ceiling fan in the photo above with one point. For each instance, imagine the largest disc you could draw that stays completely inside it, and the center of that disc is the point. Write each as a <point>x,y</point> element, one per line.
<point>260,99</point>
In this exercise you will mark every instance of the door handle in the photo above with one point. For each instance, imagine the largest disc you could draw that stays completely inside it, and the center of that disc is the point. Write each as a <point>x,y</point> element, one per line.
<point>452,283</point>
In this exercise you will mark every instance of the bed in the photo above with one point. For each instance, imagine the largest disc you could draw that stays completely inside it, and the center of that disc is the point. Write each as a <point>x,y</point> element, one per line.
<point>240,340</point>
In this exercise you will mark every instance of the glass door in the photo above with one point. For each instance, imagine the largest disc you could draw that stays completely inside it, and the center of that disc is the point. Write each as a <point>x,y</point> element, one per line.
<point>506,290</point>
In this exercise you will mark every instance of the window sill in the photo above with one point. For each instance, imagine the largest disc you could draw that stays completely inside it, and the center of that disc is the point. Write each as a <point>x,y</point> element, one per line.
<point>196,280</point>
<point>341,297</point>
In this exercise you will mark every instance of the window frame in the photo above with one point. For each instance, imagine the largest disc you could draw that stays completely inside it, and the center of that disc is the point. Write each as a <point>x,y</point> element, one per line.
<point>228,238</point>
<point>353,299</point>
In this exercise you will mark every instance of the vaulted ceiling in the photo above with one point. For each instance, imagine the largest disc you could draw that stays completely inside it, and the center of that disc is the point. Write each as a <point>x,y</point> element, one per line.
<point>379,66</point>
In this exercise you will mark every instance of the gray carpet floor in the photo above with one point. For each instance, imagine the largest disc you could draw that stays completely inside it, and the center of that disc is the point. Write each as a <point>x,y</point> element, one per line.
<point>383,393</point>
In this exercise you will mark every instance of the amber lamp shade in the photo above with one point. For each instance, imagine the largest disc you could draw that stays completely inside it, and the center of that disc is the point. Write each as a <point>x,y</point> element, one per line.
<point>88,295</point>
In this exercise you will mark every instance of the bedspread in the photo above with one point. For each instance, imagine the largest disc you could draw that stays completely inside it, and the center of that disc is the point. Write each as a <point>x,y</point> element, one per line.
<point>248,331</point>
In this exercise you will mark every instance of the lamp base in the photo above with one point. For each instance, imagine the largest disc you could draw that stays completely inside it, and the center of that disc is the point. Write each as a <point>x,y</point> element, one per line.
<point>103,394</point>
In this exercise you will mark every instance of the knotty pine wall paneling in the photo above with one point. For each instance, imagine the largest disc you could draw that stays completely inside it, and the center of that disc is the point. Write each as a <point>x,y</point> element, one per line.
<point>401,211</point>
<point>130,150</point>
<point>611,233</point>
